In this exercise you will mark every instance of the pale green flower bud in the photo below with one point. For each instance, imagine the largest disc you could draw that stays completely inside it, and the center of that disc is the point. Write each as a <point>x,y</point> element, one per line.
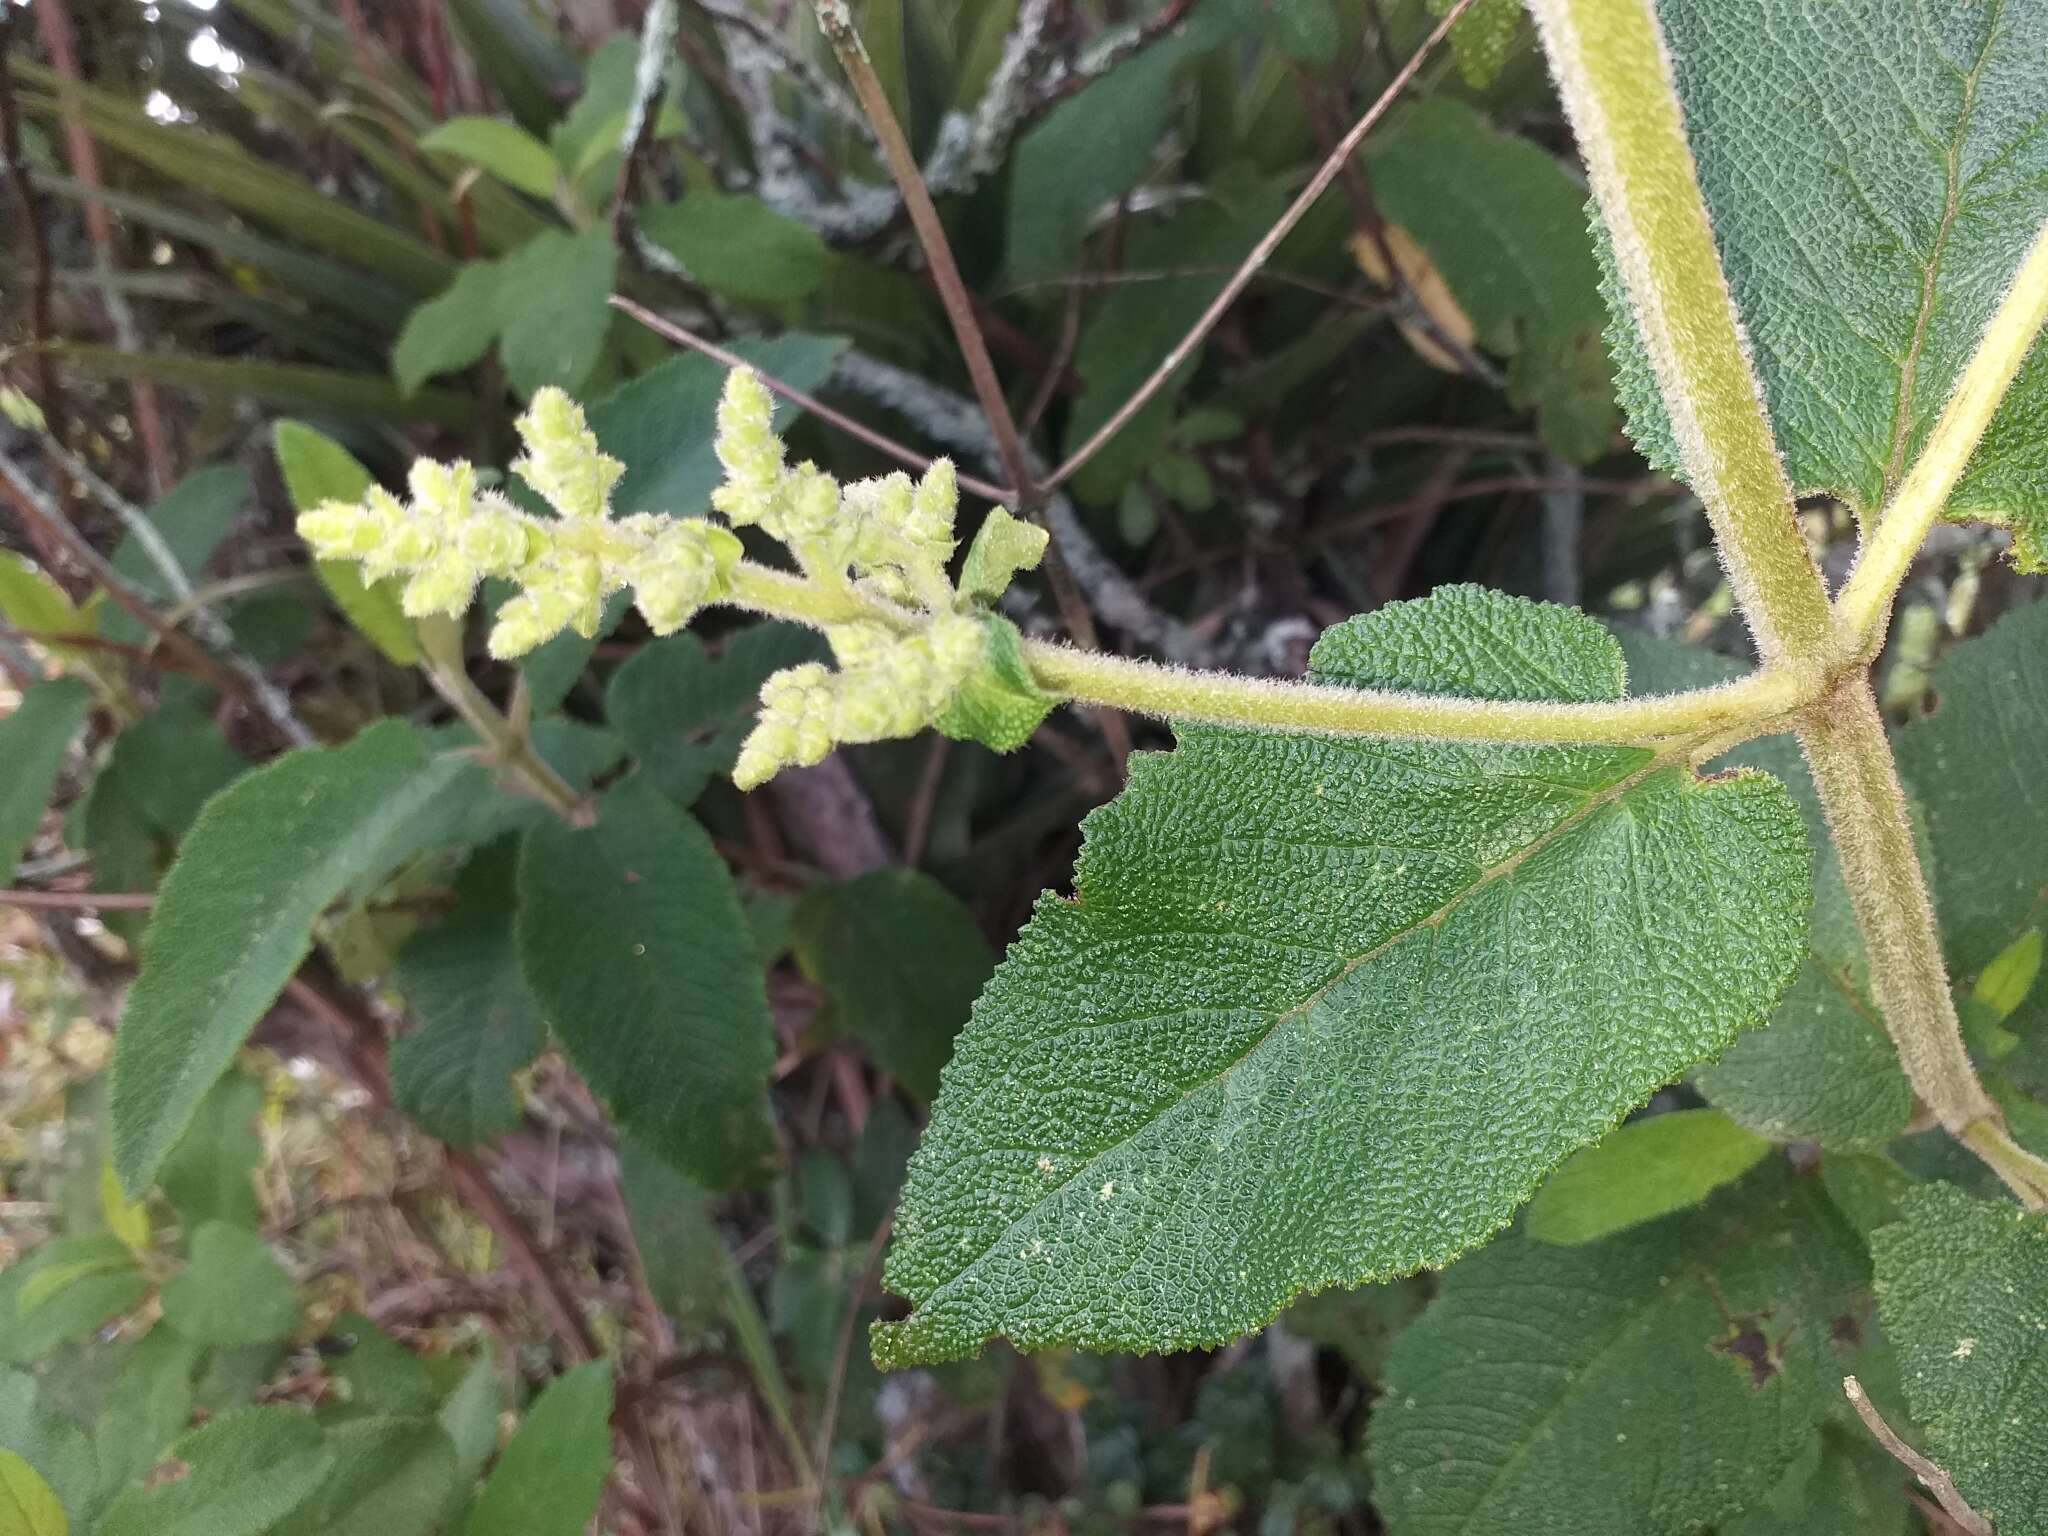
<point>562,461</point>
<point>340,530</point>
<point>749,449</point>
<point>445,585</point>
<point>520,628</point>
<point>496,538</point>
<point>441,493</point>
<point>793,727</point>
<point>812,502</point>
<point>932,505</point>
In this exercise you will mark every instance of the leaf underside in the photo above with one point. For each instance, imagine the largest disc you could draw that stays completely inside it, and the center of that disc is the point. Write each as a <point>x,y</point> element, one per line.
<point>1326,1010</point>
<point>1871,202</point>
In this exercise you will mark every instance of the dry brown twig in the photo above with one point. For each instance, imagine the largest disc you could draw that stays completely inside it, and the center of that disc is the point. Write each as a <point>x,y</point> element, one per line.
<point>1931,1476</point>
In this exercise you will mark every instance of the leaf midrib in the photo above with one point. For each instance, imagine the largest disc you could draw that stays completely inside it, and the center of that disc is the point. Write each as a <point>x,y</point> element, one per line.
<point>1593,802</point>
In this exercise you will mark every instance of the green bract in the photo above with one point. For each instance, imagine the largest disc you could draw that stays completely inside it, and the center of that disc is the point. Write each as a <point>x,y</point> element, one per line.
<point>1326,1010</point>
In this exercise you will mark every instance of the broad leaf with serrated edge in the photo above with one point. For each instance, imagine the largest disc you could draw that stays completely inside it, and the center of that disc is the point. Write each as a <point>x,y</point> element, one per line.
<point>1326,1010</point>
<point>235,915</point>
<point>631,937</point>
<point>243,1472</point>
<point>1962,1289</point>
<point>1874,172</point>
<point>1647,1385</point>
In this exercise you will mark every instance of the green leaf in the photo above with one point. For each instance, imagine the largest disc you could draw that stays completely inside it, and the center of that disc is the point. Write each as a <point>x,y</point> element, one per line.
<point>232,1292</point>
<point>30,600</point>
<point>66,1290</point>
<point>451,330</point>
<point>316,468</point>
<point>1482,38</point>
<point>660,425</point>
<point>504,149</point>
<point>1648,1385</point>
<point>999,703</point>
<point>33,740</point>
<point>631,937</point>
<point>244,1472</point>
<point>2005,983</point>
<point>1092,147</point>
<point>1824,1070</point>
<point>391,1477</point>
<point>1842,1485</point>
<point>379,1374</point>
<point>736,245</point>
<point>552,308</point>
<point>469,1418</point>
<point>1643,1170</point>
<point>476,1022</point>
<point>679,1243</point>
<point>49,1441</point>
<point>1909,145</point>
<point>295,386</point>
<point>210,1174</point>
<point>148,1405</point>
<point>1505,225</point>
<point>1327,1010</point>
<point>901,960</point>
<point>28,1506</point>
<point>235,915</point>
<point>548,1480</point>
<point>684,712</point>
<point>191,519</point>
<point>586,140</point>
<point>1003,546</point>
<point>1960,1289</point>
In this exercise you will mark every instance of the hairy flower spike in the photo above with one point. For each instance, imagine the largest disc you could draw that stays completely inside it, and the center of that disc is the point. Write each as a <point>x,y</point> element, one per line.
<point>562,461</point>
<point>750,451</point>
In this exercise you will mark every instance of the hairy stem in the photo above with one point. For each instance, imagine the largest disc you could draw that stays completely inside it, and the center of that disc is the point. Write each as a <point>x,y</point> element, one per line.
<point>441,643</point>
<point>1743,708</point>
<point>1845,743</point>
<point>1867,596</point>
<point>1614,74</point>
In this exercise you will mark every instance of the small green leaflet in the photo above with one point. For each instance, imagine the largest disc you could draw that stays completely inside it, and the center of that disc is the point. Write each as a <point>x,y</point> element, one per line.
<point>190,519</point>
<point>49,1440</point>
<point>738,246</point>
<point>1648,1385</point>
<point>28,1506</point>
<point>504,149</point>
<point>210,1174</point>
<point>1962,1290</point>
<point>64,1291</point>
<point>631,937</point>
<point>232,1292</point>
<point>391,1477</point>
<point>548,1480</point>
<point>552,303</point>
<point>1327,1010</point>
<point>32,743</point>
<point>1645,1169</point>
<point>1916,163</point>
<point>451,330</point>
<point>235,915</point>
<point>317,469</point>
<point>148,1404</point>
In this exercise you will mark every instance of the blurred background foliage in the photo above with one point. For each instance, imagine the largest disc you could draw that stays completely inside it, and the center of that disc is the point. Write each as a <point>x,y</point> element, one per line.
<point>258,247</point>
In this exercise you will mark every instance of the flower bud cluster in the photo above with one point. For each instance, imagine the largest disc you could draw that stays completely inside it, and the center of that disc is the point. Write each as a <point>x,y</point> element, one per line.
<point>453,533</point>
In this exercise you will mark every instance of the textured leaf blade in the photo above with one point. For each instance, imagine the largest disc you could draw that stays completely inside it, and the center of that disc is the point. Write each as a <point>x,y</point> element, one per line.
<point>316,468</point>
<point>1647,1385</point>
<point>504,149</point>
<point>28,1505</point>
<point>235,915</point>
<point>738,246</point>
<point>1646,1169</point>
<point>551,302</point>
<point>902,960</point>
<point>631,937</point>
<point>1325,1011</point>
<point>244,1472</point>
<point>233,1292</point>
<point>477,1023</point>
<point>1962,1290</point>
<point>1912,141</point>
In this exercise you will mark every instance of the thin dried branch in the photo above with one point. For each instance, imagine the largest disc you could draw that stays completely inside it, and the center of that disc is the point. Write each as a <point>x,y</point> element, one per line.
<point>1931,1476</point>
<point>1319,183</point>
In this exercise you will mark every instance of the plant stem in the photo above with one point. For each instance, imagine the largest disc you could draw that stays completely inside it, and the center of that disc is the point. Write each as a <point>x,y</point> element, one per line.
<point>1866,598</point>
<point>1318,184</point>
<point>1745,708</point>
<point>1614,74</point>
<point>1846,747</point>
<point>837,23</point>
<point>441,648</point>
